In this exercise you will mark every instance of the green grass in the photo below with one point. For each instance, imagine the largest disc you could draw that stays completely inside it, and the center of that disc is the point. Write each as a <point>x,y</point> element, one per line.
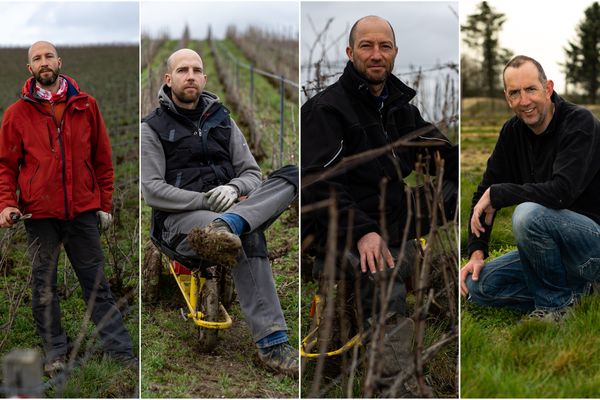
<point>502,355</point>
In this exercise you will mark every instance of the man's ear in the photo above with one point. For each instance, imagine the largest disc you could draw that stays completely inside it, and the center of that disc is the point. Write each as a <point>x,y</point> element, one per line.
<point>29,69</point>
<point>167,79</point>
<point>549,88</point>
<point>349,52</point>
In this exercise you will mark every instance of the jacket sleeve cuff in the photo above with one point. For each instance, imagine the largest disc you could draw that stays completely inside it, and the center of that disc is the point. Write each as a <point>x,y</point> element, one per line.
<point>478,246</point>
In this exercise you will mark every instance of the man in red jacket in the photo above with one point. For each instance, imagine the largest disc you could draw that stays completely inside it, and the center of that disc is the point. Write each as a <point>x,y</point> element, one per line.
<point>55,151</point>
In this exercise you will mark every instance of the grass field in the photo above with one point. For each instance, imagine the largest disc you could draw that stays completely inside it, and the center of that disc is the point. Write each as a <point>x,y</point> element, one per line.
<point>172,365</point>
<point>110,74</point>
<point>502,356</point>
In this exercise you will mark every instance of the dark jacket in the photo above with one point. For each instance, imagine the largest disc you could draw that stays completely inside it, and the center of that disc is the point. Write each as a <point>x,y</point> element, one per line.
<point>346,119</point>
<point>558,169</point>
<point>62,168</point>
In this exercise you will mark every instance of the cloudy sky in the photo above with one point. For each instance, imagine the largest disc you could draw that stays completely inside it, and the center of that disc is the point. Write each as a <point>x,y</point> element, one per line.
<point>280,16</point>
<point>426,32</point>
<point>537,28</point>
<point>23,22</point>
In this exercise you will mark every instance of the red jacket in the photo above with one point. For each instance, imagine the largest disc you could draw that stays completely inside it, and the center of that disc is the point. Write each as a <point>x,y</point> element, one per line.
<point>61,168</point>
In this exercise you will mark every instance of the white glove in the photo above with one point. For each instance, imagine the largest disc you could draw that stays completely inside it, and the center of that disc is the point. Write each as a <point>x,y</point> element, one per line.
<point>221,198</point>
<point>104,220</point>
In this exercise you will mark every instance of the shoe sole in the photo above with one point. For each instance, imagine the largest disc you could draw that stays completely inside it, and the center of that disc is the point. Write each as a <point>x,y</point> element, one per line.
<point>215,247</point>
<point>263,363</point>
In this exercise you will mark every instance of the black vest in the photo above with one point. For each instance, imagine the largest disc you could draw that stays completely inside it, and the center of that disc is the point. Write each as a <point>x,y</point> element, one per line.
<point>197,157</point>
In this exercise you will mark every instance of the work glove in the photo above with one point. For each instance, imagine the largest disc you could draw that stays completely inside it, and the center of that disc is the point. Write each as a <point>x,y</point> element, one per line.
<point>221,198</point>
<point>104,220</point>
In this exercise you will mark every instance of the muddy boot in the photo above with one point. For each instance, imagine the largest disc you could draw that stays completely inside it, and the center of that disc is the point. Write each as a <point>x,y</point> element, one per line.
<point>282,358</point>
<point>54,367</point>
<point>397,360</point>
<point>215,243</point>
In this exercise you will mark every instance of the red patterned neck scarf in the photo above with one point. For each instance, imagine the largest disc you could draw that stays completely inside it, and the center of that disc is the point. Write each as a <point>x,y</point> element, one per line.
<point>60,95</point>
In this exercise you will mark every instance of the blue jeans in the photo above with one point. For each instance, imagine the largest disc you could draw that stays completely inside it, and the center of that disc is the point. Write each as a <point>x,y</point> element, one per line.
<point>558,257</point>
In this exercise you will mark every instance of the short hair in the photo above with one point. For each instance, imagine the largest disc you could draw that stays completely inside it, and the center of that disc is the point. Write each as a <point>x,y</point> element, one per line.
<point>518,61</point>
<point>353,30</point>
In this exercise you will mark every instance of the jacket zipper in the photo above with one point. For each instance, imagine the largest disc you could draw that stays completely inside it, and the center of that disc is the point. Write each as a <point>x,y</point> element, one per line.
<point>387,138</point>
<point>59,129</point>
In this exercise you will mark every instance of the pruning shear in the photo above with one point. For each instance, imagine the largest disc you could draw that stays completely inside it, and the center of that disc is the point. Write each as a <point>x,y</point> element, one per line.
<point>19,217</point>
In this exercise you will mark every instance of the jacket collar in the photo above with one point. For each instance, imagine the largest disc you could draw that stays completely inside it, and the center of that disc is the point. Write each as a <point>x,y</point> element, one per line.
<point>353,81</point>
<point>166,102</point>
<point>28,90</point>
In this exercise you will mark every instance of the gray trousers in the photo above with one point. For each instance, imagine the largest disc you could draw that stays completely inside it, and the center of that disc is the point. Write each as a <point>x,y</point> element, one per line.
<point>252,276</point>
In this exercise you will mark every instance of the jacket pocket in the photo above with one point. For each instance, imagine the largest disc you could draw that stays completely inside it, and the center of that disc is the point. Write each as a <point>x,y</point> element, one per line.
<point>27,179</point>
<point>50,139</point>
<point>92,178</point>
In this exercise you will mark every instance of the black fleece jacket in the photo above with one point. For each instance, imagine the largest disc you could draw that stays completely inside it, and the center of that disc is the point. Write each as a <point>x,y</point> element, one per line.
<point>558,169</point>
<point>346,119</point>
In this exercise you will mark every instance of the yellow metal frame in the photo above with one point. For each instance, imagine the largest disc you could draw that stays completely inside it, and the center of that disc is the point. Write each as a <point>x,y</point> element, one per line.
<point>191,286</point>
<point>311,339</point>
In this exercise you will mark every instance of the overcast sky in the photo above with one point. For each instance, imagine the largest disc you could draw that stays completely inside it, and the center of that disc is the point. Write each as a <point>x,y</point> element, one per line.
<point>67,23</point>
<point>426,32</point>
<point>280,17</point>
<point>537,28</point>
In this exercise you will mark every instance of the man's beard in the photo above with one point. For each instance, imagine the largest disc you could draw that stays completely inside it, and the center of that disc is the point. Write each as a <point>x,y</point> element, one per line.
<point>47,81</point>
<point>185,98</point>
<point>373,80</point>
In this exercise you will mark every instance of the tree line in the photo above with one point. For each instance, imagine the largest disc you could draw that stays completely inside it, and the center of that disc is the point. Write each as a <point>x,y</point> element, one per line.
<point>482,68</point>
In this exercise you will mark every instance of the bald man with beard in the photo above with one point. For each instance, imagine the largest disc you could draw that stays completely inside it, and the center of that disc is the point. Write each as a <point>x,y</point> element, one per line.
<point>55,150</point>
<point>196,165</point>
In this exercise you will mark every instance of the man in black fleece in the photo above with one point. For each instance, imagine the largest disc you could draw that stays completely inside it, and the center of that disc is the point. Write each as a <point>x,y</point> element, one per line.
<point>366,109</point>
<point>547,162</point>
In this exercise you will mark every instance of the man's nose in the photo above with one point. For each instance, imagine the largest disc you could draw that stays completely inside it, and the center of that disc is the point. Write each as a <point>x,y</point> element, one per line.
<point>523,98</point>
<point>376,52</point>
<point>189,76</point>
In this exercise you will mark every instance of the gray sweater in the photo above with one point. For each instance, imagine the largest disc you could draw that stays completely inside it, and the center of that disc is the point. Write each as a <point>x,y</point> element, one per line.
<point>162,196</point>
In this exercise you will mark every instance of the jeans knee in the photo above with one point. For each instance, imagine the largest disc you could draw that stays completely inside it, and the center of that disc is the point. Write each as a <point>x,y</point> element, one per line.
<point>525,218</point>
<point>44,294</point>
<point>474,287</point>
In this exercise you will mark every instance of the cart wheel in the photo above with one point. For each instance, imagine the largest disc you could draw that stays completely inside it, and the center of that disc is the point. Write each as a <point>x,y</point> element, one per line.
<point>227,288</point>
<point>209,305</point>
<point>151,272</point>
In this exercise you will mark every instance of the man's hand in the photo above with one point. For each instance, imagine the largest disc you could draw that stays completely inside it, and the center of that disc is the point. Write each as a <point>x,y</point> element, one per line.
<point>484,205</point>
<point>222,197</point>
<point>474,266</point>
<point>104,220</point>
<point>374,253</point>
<point>5,219</point>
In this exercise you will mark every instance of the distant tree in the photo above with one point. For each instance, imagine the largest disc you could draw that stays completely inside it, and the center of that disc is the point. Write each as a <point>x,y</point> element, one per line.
<point>471,80</point>
<point>481,35</point>
<point>582,65</point>
<point>185,37</point>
